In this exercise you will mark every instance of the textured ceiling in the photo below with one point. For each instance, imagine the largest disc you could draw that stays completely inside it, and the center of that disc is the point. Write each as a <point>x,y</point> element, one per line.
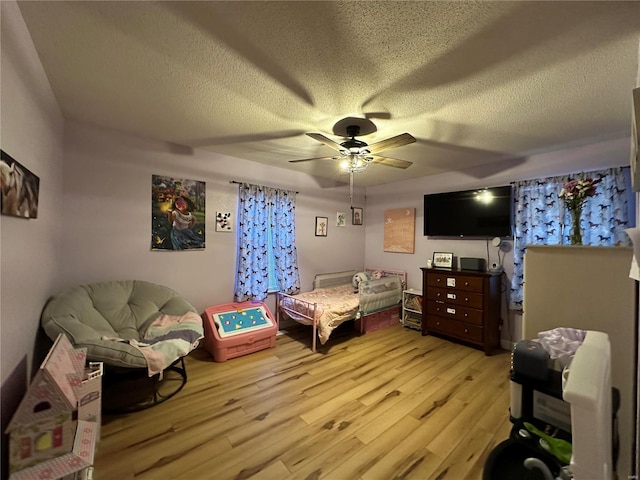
<point>475,83</point>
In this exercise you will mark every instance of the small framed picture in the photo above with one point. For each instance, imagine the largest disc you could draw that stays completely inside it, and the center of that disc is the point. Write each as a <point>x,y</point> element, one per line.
<point>442,260</point>
<point>223,222</point>
<point>356,216</point>
<point>341,219</point>
<point>321,226</point>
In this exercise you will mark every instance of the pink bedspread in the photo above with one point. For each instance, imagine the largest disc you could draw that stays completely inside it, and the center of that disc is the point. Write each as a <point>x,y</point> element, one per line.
<point>335,305</point>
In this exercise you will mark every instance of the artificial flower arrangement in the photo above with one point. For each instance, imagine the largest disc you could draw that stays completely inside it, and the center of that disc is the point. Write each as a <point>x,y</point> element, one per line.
<point>575,193</point>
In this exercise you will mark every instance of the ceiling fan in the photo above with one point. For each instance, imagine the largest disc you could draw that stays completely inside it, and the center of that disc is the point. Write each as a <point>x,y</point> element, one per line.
<point>356,155</point>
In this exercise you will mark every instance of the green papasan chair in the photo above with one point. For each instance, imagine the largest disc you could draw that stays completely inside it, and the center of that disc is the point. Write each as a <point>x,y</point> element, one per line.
<point>139,330</point>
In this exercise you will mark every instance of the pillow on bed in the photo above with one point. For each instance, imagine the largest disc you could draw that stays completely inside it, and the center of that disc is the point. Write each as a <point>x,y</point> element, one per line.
<point>359,277</point>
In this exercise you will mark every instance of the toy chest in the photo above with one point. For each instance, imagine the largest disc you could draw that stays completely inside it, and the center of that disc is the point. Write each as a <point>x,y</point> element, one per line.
<point>379,320</point>
<point>236,329</point>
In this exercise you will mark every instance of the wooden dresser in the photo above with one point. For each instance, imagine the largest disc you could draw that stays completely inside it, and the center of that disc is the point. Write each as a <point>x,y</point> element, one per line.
<point>463,305</point>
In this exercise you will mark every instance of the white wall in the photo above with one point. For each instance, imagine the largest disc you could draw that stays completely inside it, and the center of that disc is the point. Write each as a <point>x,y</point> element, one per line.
<point>410,194</point>
<point>32,130</point>
<point>107,216</point>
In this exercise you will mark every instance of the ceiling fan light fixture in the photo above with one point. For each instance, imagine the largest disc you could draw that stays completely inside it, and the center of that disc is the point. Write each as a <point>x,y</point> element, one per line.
<point>354,163</point>
<point>355,155</point>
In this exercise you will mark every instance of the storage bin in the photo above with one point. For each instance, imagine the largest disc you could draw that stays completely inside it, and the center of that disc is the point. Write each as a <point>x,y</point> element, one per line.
<point>379,320</point>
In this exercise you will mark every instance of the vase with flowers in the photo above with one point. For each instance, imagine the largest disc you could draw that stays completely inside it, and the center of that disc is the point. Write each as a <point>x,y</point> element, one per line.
<point>574,193</point>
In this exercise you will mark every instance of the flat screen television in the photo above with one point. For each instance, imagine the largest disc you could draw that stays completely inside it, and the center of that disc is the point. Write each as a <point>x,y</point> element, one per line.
<point>486,212</point>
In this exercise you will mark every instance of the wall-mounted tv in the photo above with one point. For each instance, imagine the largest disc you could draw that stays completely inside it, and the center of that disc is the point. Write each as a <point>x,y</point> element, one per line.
<point>486,212</point>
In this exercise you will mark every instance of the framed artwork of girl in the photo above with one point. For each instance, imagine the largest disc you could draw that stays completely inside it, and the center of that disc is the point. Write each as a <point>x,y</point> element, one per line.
<point>178,218</point>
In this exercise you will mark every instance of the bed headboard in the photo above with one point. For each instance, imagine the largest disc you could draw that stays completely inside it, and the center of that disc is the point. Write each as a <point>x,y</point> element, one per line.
<point>385,272</point>
<point>325,280</point>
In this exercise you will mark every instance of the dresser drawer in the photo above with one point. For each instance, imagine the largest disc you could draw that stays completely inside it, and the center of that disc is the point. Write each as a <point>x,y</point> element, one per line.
<point>457,282</point>
<point>457,297</point>
<point>463,331</point>
<point>456,312</point>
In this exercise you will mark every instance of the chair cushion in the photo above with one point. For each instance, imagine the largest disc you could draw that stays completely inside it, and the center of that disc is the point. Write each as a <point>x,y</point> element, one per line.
<point>91,314</point>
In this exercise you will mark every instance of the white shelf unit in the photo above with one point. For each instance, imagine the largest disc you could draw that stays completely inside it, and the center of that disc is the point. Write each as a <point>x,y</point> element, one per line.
<point>412,309</point>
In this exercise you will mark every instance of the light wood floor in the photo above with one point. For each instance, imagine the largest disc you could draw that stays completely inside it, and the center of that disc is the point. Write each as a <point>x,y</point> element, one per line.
<point>387,405</point>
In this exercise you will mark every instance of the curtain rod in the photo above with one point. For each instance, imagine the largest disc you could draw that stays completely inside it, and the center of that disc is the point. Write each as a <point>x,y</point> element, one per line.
<point>240,183</point>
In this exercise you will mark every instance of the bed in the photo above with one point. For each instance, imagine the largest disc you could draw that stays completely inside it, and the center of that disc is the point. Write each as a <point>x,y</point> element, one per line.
<point>337,298</point>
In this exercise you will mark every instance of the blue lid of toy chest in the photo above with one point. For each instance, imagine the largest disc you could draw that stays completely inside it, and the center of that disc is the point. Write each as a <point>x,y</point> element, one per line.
<point>242,319</point>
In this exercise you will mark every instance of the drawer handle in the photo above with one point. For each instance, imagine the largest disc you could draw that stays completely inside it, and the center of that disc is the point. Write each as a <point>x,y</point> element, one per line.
<point>438,294</point>
<point>438,280</point>
<point>451,311</point>
<point>438,323</point>
<point>466,314</point>
<point>466,284</point>
<point>466,330</point>
<point>451,296</point>
<point>466,299</point>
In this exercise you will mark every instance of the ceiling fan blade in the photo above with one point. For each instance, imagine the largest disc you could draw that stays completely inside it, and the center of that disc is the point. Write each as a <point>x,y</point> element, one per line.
<point>309,159</point>
<point>393,142</point>
<point>391,162</point>
<point>327,141</point>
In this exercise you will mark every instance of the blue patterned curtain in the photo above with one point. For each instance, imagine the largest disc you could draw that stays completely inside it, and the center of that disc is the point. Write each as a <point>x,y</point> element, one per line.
<point>266,229</point>
<point>542,219</point>
<point>283,226</point>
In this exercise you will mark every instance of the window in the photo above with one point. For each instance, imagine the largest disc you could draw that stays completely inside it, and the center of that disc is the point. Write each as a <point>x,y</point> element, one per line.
<point>267,256</point>
<point>542,219</point>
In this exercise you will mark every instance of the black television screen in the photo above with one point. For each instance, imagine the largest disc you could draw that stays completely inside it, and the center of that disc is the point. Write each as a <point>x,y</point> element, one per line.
<point>486,212</point>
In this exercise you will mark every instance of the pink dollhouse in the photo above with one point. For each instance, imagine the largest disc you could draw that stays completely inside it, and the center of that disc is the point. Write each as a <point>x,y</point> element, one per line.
<point>55,428</point>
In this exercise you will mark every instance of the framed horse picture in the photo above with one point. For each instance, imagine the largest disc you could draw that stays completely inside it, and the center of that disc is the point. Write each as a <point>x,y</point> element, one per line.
<point>20,188</point>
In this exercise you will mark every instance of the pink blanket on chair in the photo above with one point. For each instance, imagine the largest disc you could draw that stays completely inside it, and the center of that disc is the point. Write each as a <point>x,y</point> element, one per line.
<point>168,338</point>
